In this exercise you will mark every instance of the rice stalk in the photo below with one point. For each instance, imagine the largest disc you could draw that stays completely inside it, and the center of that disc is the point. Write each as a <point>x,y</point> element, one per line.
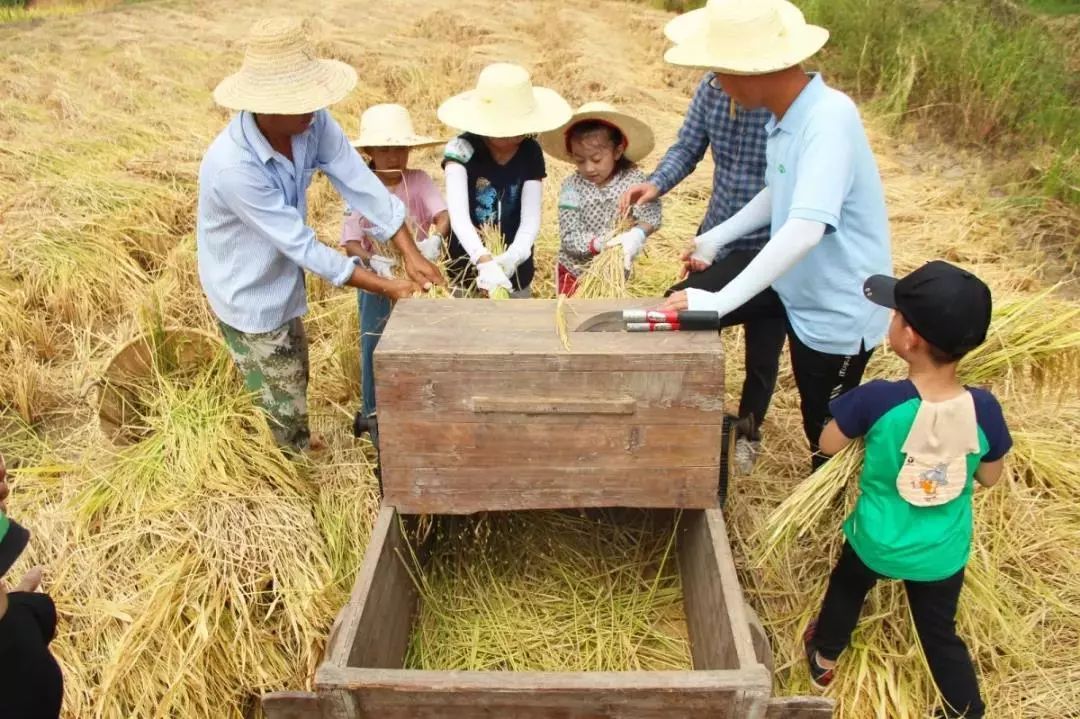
<point>560,323</point>
<point>596,592</point>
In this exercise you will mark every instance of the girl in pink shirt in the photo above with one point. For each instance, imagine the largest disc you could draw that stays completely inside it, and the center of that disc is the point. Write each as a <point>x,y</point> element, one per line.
<point>386,137</point>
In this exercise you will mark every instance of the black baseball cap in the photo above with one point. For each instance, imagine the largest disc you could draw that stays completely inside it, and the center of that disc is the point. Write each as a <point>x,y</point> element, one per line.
<point>949,307</point>
<point>13,540</point>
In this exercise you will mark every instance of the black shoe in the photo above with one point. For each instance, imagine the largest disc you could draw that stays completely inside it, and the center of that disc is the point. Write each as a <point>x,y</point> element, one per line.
<point>819,675</point>
<point>361,424</point>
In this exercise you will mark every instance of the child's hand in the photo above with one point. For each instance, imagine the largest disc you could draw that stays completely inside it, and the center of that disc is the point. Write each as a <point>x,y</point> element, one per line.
<point>632,242</point>
<point>431,247</point>
<point>507,263</point>
<point>490,276</point>
<point>383,266</point>
<point>4,489</point>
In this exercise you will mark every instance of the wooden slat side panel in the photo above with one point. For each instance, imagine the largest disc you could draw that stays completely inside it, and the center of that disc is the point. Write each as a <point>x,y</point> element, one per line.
<point>375,625</point>
<point>711,644</point>
<point>582,442</point>
<point>292,705</point>
<point>534,695</point>
<point>734,601</point>
<point>716,621</point>
<point>800,708</point>
<point>462,490</point>
<point>688,396</point>
<point>762,648</point>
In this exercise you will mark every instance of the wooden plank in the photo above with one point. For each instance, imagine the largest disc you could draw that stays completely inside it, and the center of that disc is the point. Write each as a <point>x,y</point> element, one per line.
<point>464,490</point>
<point>456,327</point>
<point>292,705</point>
<point>553,405</point>
<point>687,396</point>
<point>800,708</point>
<point>579,441</point>
<point>390,694</point>
<point>762,648</point>
<point>715,618</point>
<point>376,623</point>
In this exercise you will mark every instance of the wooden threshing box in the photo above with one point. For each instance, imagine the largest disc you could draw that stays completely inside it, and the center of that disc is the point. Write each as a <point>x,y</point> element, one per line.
<point>482,408</point>
<point>362,675</point>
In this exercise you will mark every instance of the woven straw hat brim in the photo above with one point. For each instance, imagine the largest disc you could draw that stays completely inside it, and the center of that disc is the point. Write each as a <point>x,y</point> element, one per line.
<point>466,112</point>
<point>398,141</point>
<point>319,84</point>
<point>693,48</point>
<point>639,136</point>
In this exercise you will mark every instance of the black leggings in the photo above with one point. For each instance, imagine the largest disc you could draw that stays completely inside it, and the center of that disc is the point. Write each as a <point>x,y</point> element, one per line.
<point>933,606</point>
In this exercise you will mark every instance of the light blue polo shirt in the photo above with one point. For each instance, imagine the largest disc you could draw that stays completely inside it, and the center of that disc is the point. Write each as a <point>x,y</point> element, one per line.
<point>820,168</point>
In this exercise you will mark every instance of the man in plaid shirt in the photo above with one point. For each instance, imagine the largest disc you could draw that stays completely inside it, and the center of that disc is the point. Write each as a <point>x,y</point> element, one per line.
<point>737,138</point>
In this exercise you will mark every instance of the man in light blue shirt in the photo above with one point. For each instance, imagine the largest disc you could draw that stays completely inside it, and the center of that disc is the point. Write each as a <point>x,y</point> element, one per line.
<point>823,200</point>
<point>254,243</point>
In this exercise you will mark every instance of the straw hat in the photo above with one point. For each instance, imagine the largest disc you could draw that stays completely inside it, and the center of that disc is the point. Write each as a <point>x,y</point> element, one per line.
<point>639,136</point>
<point>743,37</point>
<point>505,104</point>
<point>389,125</point>
<point>280,74</point>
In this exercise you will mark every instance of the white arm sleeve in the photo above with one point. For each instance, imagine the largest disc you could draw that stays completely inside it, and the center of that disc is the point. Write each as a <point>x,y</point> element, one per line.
<point>532,196</point>
<point>754,215</point>
<point>792,243</point>
<point>457,202</point>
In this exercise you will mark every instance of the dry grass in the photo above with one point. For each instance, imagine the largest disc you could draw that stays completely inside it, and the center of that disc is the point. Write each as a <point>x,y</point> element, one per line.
<point>165,549</point>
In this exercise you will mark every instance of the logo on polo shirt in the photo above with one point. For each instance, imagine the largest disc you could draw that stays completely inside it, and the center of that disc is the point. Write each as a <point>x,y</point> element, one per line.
<point>782,170</point>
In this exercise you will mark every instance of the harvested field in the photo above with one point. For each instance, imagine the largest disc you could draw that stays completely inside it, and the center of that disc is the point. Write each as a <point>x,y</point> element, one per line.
<point>199,567</point>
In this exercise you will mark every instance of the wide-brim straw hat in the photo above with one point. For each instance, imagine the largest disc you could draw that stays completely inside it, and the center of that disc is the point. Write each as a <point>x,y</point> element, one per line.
<point>743,37</point>
<point>505,103</point>
<point>281,75</point>
<point>638,135</point>
<point>390,125</point>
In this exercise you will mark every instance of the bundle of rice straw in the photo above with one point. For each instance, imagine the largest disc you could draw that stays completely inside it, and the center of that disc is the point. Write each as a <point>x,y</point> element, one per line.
<point>189,570</point>
<point>606,275</point>
<point>551,591</point>
<point>493,240</point>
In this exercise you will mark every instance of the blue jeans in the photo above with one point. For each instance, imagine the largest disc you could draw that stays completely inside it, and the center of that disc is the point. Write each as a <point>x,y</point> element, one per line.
<point>374,312</point>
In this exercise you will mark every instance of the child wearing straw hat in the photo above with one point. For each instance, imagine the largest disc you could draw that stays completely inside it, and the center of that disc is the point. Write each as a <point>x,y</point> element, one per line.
<point>494,175</point>
<point>386,138</point>
<point>823,199</point>
<point>928,439</point>
<point>254,243</point>
<point>605,145</point>
<point>31,684</point>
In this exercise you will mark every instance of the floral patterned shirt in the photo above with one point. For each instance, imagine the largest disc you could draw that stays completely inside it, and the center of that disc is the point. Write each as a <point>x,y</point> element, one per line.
<point>588,211</point>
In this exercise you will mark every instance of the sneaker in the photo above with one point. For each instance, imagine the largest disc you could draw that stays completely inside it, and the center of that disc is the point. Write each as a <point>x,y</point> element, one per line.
<point>746,454</point>
<point>819,675</point>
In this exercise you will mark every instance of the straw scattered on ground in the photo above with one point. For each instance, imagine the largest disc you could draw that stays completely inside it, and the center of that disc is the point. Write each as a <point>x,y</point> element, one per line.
<point>210,553</point>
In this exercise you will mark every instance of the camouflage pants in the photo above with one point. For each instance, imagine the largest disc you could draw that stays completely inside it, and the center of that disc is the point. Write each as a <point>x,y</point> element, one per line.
<point>275,367</point>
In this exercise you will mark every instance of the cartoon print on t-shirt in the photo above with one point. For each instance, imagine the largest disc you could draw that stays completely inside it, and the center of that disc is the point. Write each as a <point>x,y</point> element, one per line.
<point>933,478</point>
<point>486,202</point>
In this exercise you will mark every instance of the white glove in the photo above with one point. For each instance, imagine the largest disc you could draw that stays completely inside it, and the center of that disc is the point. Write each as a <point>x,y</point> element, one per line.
<point>632,241</point>
<point>507,262</point>
<point>431,247</point>
<point>490,276</point>
<point>383,266</point>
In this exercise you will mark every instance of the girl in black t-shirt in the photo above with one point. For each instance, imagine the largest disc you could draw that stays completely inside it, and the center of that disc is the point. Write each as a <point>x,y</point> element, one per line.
<point>494,175</point>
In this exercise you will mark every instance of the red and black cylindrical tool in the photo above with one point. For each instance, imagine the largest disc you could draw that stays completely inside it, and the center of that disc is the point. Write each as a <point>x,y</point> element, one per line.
<point>651,321</point>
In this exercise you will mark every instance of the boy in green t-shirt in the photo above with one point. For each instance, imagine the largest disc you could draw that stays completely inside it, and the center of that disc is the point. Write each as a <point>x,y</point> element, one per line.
<point>927,439</point>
